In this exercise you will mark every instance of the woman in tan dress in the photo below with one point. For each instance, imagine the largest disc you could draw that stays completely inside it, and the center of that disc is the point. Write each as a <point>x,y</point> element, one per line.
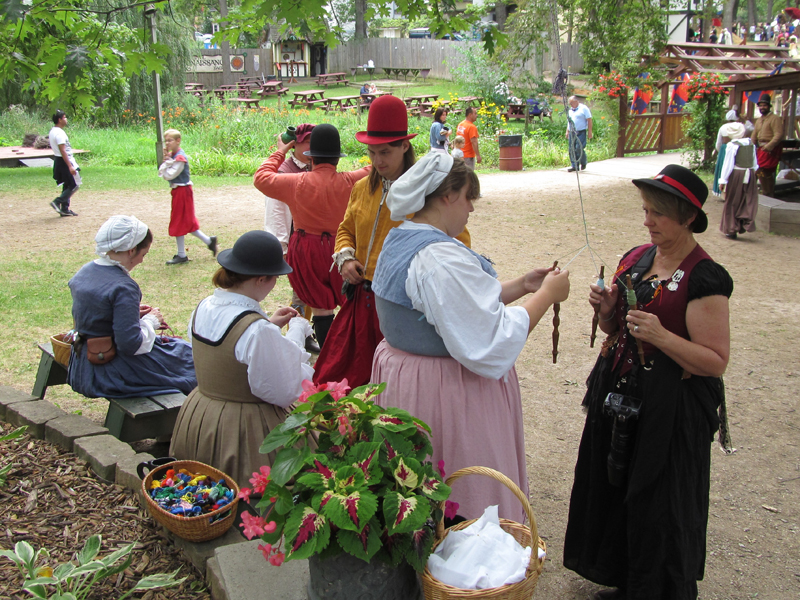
<point>248,374</point>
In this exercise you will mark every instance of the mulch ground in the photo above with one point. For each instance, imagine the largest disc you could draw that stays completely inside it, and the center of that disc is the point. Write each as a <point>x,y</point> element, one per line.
<point>53,500</point>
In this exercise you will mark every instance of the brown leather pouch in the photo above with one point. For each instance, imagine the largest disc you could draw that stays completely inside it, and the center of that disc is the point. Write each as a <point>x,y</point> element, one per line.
<point>100,350</point>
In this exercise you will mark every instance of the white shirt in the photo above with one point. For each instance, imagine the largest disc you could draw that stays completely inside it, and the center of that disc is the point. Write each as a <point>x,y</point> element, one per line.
<point>729,164</point>
<point>57,137</point>
<point>278,216</point>
<point>276,365</point>
<point>447,284</point>
<point>170,169</point>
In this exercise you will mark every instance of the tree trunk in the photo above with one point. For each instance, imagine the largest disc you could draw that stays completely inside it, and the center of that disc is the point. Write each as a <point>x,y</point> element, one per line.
<point>501,15</point>
<point>727,14</point>
<point>770,15</point>
<point>708,13</point>
<point>752,15</point>
<point>361,23</point>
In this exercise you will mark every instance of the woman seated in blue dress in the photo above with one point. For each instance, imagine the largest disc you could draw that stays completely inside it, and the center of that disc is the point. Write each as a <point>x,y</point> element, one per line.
<point>106,303</point>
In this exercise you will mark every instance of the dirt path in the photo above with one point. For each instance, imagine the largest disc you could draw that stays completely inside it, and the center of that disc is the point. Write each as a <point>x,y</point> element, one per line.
<point>530,219</point>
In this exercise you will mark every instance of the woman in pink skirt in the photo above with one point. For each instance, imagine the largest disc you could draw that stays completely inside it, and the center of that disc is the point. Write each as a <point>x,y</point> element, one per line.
<point>450,340</point>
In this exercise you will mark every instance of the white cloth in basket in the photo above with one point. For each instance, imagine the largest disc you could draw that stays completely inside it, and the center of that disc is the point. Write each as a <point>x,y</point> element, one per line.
<point>480,556</point>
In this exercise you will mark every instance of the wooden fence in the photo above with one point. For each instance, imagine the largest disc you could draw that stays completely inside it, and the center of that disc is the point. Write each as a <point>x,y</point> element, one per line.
<point>440,56</point>
<point>650,132</point>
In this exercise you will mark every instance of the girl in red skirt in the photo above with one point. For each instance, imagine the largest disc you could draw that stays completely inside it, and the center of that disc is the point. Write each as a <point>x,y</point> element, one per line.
<point>182,220</point>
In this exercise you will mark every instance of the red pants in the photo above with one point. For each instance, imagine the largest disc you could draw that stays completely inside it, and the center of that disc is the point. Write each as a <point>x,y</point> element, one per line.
<point>313,280</point>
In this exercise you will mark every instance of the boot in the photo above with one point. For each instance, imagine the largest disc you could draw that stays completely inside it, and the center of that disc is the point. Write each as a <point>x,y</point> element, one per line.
<point>321,327</point>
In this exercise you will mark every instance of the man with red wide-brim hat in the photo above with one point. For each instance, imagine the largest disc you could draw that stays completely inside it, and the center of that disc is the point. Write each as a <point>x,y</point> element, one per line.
<point>318,200</point>
<point>355,333</point>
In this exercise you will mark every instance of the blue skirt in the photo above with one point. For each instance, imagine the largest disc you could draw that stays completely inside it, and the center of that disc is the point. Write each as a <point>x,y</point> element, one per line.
<point>168,368</point>
<point>718,170</point>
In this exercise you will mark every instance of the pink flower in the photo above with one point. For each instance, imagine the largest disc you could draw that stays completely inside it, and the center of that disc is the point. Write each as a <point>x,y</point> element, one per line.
<point>344,425</point>
<point>266,549</point>
<point>252,526</point>
<point>270,527</point>
<point>450,509</point>
<point>244,494</point>
<point>338,389</point>
<point>440,466</point>
<point>260,480</point>
<point>276,559</point>
<point>309,389</point>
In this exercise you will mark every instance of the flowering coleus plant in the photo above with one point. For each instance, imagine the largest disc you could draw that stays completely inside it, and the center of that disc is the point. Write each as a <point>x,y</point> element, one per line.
<point>348,476</point>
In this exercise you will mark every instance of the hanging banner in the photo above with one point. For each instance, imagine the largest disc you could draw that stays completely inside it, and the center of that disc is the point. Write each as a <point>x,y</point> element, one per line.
<point>213,64</point>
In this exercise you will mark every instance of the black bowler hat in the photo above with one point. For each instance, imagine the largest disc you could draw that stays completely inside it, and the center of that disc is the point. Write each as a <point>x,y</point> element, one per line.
<point>325,142</point>
<point>764,99</point>
<point>684,184</point>
<point>255,253</point>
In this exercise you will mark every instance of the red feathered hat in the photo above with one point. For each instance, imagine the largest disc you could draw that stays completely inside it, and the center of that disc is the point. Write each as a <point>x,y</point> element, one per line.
<point>387,122</point>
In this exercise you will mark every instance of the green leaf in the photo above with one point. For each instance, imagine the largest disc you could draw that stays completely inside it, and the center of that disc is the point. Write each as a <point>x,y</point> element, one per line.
<point>90,567</point>
<point>366,457</point>
<point>276,438</point>
<point>407,472</point>
<point>38,591</point>
<point>39,581</point>
<point>363,544</point>
<point>394,419</point>
<point>319,476</point>
<point>12,557</point>
<point>420,548</point>
<point>90,550</point>
<point>394,444</point>
<point>63,571</point>
<point>113,570</point>
<point>160,580</point>
<point>64,596</point>
<point>434,488</point>
<point>294,421</point>
<point>404,514</point>
<point>116,555</point>
<point>396,546</point>
<point>352,511</point>
<point>304,529</point>
<point>13,10</point>
<point>18,432</point>
<point>288,463</point>
<point>25,553</point>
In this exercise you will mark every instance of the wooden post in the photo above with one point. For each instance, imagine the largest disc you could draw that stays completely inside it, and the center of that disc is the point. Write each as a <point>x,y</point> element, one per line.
<point>150,15</point>
<point>623,123</point>
<point>663,120</point>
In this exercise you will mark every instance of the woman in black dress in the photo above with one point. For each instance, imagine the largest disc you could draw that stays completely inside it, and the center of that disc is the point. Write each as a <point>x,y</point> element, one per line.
<point>639,506</point>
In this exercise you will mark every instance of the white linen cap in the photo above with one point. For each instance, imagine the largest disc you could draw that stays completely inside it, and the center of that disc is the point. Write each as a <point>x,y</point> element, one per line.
<point>407,194</point>
<point>119,234</point>
<point>731,115</point>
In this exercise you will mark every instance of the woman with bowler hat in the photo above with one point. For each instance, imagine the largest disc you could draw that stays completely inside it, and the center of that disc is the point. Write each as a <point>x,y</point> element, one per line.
<point>248,373</point>
<point>639,506</point>
<point>355,332</point>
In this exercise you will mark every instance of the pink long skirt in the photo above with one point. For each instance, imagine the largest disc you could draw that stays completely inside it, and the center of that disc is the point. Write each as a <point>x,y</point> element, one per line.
<point>475,421</point>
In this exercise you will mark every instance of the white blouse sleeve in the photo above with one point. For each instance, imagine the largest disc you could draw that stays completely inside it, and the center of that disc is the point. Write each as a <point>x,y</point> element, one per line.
<point>447,284</point>
<point>276,367</point>
<point>148,324</point>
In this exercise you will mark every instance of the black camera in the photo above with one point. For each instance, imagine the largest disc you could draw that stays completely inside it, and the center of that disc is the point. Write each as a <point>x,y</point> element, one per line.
<point>625,410</point>
<point>445,128</point>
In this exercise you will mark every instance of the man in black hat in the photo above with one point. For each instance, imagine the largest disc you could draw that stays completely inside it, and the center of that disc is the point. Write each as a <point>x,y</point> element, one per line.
<point>318,200</point>
<point>767,136</point>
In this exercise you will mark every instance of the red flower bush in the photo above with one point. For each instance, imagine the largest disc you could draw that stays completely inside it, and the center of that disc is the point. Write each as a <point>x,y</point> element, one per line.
<point>705,85</point>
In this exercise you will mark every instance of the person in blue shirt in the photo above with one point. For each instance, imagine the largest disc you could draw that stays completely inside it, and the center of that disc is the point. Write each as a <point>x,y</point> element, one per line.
<point>581,117</point>
<point>439,131</point>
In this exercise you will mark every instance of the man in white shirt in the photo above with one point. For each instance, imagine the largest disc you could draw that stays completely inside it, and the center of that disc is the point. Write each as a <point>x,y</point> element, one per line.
<point>581,117</point>
<point>65,169</point>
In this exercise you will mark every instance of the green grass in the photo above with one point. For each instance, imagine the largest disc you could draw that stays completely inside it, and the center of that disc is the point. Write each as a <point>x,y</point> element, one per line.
<point>227,141</point>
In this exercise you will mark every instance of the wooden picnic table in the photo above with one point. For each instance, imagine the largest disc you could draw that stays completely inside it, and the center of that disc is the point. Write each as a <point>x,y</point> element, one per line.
<point>192,86</point>
<point>327,79</point>
<point>248,102</point>
<point>272,88</point>
<point>342,103</point>
<point>367,99</point>
<point>13,156</point>
<point>516,111</point>
<point>416,101</point>
<point>308,99</point>
<point>471,101</point>
<point>225,90</point>
<point>406,71</point>
<point>354,70</point>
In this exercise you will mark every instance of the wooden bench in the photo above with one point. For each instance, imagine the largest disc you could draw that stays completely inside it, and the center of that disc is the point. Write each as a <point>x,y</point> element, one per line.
<point>128,419</point>
<point>278,91</point>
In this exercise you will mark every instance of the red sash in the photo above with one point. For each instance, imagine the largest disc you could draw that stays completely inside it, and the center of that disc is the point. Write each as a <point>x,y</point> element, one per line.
<point>768,160</point>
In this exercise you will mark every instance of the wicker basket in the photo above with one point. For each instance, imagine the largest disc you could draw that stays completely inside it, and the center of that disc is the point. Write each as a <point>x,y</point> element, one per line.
<point>434,589</point>
<point>61,349</point>
<point>202,527</point>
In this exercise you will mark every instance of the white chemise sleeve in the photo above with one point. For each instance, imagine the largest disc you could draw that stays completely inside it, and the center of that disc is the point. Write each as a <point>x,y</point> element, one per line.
<point>447,284</point>
<point>276,366</point>
<point>148,325</point>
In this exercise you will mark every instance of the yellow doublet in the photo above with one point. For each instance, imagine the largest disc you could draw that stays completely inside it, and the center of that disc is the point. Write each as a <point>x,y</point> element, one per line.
<point>359,218</point>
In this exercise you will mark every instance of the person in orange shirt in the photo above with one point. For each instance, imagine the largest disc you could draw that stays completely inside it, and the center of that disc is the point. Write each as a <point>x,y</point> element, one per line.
<point>469,132</point>
<point>318,200</point>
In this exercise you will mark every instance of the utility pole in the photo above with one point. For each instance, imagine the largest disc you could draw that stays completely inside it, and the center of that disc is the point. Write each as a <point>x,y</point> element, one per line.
<point>150,13</point>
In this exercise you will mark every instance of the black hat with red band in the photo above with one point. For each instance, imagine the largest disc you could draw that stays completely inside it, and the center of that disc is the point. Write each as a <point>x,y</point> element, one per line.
<point>684,184</point>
